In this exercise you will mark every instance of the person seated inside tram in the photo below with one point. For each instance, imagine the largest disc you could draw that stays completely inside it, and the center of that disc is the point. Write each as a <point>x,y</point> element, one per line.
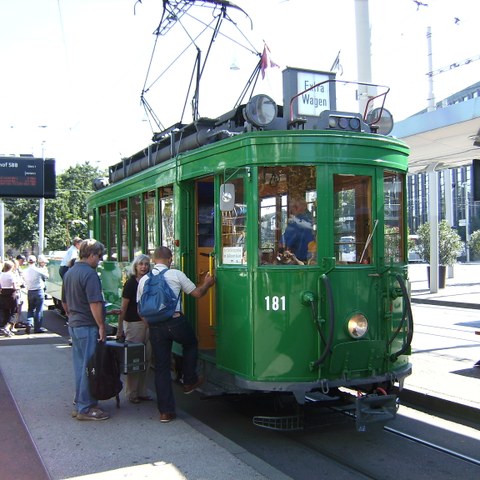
<point>299,231</point>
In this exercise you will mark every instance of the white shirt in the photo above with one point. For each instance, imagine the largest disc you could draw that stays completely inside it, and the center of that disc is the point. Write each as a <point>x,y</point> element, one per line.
<point>8,280</point>
<point>72,253</point>
<point>35,277</point>
<point>175,279</point>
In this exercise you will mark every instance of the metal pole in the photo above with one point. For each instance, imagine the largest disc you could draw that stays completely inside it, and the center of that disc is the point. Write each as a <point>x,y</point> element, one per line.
<point>41,213</point>
<point>41,226</point>
<point>364,66</point>
<point>467,222</point>
<point>433,221</point>
<point>431,96</point>
<point>447,178</point>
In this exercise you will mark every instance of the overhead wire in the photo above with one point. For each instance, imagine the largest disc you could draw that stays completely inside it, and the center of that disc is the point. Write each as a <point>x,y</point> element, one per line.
<point>172,13</point>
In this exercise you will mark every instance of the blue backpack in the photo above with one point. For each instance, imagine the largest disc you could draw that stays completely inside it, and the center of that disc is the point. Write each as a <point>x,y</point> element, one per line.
<point>158,302</point>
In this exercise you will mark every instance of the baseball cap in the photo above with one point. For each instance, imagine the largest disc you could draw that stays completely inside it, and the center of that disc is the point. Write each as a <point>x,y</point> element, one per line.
<point>21,257</point>
<point>42,258</point>
<point>32,259</point>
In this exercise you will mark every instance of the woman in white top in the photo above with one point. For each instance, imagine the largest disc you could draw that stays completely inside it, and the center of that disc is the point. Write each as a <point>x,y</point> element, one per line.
<point>8,298</point>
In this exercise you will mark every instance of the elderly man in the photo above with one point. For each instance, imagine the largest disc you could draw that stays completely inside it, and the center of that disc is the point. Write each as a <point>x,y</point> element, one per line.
<point>83,302</point>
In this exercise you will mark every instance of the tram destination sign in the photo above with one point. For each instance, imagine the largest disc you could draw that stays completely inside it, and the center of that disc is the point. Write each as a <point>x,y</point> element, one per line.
<point>27,177</point>
<point>312,91</point>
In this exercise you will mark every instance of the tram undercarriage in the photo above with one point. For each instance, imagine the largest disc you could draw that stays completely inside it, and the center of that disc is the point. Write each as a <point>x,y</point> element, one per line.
<point>296,406</point>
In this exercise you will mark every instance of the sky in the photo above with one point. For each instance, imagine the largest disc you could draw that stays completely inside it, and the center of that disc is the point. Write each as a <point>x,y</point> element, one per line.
<point>73,70</point>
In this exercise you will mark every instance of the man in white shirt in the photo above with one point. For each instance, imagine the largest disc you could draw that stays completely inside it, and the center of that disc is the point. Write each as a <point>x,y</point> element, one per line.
<point>176,329</point>
<point>70,255</point>
<point>35,281</point>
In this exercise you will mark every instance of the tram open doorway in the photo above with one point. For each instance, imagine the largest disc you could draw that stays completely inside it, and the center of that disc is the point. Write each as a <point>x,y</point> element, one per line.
<point>204,248</point>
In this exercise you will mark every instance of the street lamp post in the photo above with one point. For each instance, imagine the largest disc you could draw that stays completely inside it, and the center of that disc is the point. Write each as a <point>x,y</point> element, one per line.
<point>41,209</point>
<point>467,223</point>
<point>41,214</point>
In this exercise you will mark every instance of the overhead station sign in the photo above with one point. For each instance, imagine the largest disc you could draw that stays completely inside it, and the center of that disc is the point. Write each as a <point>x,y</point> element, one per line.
<point>27,177</point>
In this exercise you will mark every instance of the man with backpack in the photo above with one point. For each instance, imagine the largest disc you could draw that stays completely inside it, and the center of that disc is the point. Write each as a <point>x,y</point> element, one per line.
<point>175,328</point>
<point>83,302</point>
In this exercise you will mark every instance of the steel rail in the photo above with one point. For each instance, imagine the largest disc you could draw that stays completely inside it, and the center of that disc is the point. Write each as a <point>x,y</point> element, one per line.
<point>439,448</point>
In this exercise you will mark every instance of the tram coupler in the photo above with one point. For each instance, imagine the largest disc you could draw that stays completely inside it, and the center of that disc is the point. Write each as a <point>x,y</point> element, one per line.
<point>374,408</point>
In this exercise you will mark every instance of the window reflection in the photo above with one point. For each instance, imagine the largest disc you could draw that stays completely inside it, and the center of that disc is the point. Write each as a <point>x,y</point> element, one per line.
<point>353,228</point>
<point>287,215</point>
<point>393,213</point>
<point>233,228</point>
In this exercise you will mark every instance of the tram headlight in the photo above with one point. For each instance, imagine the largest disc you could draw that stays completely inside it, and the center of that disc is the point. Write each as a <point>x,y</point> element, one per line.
<point>341,121</point>
<point>357,325</point>
<point>380,119</point>
<point>261,110</point>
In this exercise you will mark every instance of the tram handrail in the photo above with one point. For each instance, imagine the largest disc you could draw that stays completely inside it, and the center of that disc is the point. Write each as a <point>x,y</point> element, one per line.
<point>332,80</point>
<point>331,317</point>
<point>407,312</point>
<point>210,298</point>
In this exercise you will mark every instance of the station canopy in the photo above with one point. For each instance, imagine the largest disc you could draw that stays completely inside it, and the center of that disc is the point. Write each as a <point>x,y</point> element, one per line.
<point>448,136</point>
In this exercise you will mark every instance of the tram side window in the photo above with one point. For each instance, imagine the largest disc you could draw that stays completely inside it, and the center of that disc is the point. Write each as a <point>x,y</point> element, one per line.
<point>167,217</point>
<point>123,215</point>
<point>287,213</point>
<point>233,228</point>
<point>393,214</point>
<point>353,228</point>
<point>112,231</point>
<point>135,214</point>
<point>149,222</point>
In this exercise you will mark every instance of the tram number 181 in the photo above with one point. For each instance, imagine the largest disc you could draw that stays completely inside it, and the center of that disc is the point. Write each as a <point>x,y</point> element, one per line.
<point>275,303</point>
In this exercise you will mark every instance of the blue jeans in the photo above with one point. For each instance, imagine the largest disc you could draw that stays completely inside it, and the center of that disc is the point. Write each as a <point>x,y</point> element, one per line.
<point>161,337</point>
<point>84,341</point>
<point>36,299</point>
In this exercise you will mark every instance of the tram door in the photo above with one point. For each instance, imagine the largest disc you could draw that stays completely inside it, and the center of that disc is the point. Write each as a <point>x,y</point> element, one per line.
<point>204,246</point>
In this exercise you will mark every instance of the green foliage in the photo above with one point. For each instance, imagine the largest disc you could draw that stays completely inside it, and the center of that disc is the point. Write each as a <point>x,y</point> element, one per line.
<point>65,216</point>
<point>449,243</point>
<point>392,243</point>
<point>474,243</point>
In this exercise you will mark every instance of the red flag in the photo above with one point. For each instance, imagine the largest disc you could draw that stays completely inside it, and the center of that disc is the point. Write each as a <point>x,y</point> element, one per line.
<point>266,60</point>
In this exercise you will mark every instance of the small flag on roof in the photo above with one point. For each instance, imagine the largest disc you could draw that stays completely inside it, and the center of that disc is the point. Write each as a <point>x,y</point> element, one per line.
<point>266,60</point>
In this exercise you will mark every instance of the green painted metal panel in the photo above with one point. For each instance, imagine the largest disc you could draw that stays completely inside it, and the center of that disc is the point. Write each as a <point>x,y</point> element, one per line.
<point>285,338</point>
<point>234,321</point>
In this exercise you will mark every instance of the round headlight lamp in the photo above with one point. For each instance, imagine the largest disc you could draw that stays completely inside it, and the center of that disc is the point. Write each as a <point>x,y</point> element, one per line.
<point>382,119</point>
<point>261,110</point>
<point>357,325</point>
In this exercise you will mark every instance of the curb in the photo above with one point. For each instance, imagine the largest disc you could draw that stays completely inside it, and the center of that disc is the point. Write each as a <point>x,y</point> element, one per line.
<point>445,303</point>
<point>439,405</point>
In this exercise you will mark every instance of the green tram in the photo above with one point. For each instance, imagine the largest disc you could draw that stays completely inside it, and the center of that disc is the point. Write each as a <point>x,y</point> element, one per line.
<point>309,321</point>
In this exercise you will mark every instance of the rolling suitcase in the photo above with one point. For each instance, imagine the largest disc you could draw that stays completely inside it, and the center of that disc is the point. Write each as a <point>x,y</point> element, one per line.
<point>130,355</point>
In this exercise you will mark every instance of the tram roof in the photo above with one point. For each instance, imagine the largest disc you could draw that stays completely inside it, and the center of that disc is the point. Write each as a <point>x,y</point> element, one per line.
<point>448,136</point>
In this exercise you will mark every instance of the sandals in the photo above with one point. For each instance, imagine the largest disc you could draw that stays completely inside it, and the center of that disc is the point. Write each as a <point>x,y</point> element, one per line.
<point>140,399</point>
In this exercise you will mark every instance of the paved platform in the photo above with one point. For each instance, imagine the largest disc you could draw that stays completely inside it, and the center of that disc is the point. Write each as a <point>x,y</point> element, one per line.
<point>462,288</point>
<point>447,378</point>
<point>40,440</point>
<point>131,444</point>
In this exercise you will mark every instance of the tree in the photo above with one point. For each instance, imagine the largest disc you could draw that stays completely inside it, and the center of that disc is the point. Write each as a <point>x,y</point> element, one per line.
<point>65,216</point>
<point>449,243</point>
<point>474,243</point>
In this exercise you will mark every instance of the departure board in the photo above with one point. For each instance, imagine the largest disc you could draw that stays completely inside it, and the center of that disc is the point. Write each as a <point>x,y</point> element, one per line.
<point>23,177</point>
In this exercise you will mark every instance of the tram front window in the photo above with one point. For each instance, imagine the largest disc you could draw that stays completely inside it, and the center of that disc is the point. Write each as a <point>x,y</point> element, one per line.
<point>233,228</point>
<point>287,213</point>
<point>393,214</point>
<point>353,228</point>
